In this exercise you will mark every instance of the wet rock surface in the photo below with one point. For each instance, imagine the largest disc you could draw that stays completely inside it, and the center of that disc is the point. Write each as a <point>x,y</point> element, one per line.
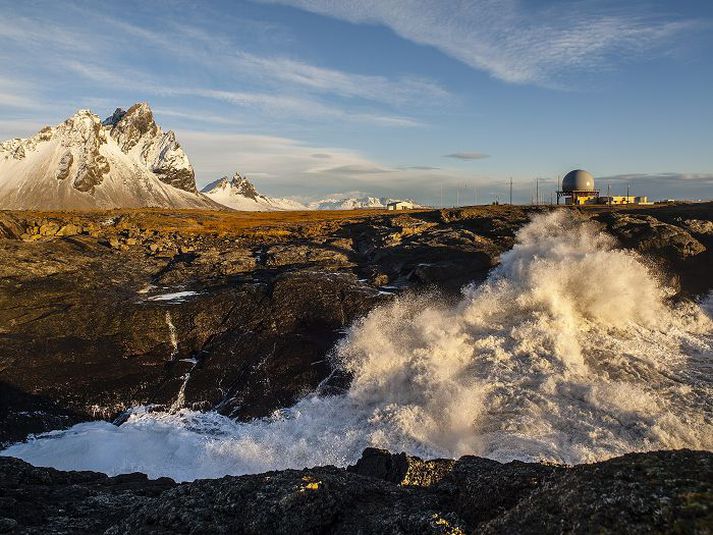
<point>102,311</point>
<point>657,492</point>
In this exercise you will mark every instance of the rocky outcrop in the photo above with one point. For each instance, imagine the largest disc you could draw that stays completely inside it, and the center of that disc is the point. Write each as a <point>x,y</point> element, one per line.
<point>672,238</point>
<point>137,133</point>
<point>657,492</point>
<point>649,235</point>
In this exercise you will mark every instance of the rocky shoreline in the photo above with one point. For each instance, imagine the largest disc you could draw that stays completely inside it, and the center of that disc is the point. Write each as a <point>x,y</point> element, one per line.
<point>236,312</point>
<point>656,492</point>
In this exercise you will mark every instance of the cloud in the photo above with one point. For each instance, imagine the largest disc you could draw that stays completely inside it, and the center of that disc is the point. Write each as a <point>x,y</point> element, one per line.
<point>218,53</point>
<point>274,104</point>
<point>663,185</point>
<point>513,40</point>
<point>269,84</point>
<point>420,167</point>
<point>30,33</point>
<point>288,167</point>
<point>9,100</point>
<point>353,170</point>
<point>467,156</point>
<point>661,178</point>
<point>396,91</point>
<point>12,128</point>
<point>195,116</point>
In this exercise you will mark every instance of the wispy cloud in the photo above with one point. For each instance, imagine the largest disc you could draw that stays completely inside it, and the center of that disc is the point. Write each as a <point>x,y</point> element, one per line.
<point>11,128</point>
<point>661,178</point>
<point>9,100</point>
<point>661,185</point>
<point>467,156</point>
<point>511,39</point>
<point>33,34</point>
<point>195,116</point>
<point>285,166</point>
<point>399,90</point>
<point>271,103</point>
<point>271,84</point>
<point>354,170</point>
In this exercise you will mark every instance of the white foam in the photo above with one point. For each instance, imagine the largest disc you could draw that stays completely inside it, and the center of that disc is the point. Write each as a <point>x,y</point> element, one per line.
<point>569,352</point>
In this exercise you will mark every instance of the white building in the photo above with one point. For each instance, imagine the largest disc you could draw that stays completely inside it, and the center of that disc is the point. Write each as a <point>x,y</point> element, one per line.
<point>400,205</point>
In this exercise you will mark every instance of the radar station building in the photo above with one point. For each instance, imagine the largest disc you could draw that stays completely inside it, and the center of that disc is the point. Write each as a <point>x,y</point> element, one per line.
<point>578,189</point>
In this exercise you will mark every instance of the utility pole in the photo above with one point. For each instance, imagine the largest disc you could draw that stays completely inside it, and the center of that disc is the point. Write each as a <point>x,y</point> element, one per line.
<point>442,195</point>
<point>537,190</point>
<point>510,191</point>
<point>608,195</point>
<point>458,195</point>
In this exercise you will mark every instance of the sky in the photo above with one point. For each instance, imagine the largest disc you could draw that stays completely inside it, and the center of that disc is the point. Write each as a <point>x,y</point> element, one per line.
<point>435,100</point>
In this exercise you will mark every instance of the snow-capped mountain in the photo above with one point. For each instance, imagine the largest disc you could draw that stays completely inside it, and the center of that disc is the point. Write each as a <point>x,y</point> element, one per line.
<point>239,193</point>
<point>349,203</point>
<point>125,161</point>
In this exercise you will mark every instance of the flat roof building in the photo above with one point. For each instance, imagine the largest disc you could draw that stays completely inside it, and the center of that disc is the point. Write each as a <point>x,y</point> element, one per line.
<point>400,205</point>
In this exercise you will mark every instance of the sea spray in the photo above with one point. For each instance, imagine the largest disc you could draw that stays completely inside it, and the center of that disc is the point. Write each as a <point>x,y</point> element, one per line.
<point>569,352</point>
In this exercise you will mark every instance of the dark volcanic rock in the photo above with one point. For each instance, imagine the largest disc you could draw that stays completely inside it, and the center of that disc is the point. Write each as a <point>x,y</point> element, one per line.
<point>683,254</point>
<point>658,492</point>
<point>44,500</point>
<point>401,468</point>
<point>649,235</point>
<point>320,500</point>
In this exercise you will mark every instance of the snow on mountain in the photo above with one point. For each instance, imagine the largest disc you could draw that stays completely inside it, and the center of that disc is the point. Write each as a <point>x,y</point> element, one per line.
<point>239,193</point>
<point>350,203</point>
<point>341,203</point>
<point>125,161</point>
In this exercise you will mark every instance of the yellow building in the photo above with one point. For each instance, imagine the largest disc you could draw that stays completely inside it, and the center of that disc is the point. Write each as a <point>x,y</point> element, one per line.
<point>623,199</point>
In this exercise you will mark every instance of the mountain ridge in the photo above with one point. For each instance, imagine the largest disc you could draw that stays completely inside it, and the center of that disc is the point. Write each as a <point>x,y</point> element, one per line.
<point>125,161</point>
<point>241,194</point>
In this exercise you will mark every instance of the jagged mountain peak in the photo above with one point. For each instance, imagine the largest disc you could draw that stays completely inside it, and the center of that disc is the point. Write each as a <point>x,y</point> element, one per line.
<point>84,162</point>
<point>239,193</point>
<point>244,187</point>
<point>136,123</point>
<point>114,117</point>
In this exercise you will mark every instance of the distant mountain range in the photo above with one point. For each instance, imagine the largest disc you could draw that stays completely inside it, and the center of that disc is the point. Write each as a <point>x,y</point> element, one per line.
<point>349,203</point>
<point>126,161</point>
<point>240,194</point>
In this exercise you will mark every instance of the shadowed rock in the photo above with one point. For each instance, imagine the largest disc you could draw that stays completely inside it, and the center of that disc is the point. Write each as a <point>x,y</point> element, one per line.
<point>657,492</point>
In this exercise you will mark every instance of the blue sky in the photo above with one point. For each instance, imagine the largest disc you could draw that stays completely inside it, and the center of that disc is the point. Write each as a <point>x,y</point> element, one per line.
<point>387,97</point>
